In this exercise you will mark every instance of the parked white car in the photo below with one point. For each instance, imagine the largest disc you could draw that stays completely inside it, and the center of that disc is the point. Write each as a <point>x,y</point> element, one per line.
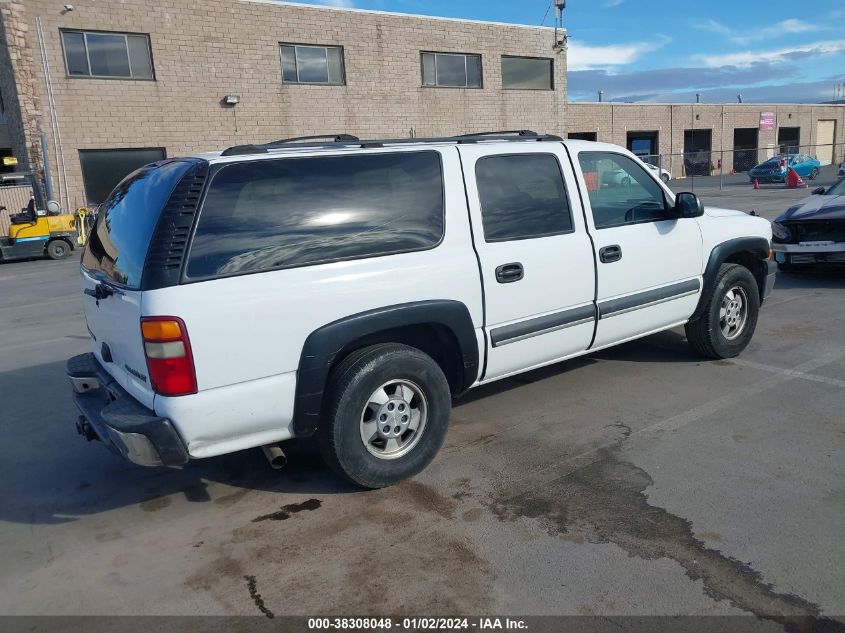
<point>661,173</point>
<point>350,289</point>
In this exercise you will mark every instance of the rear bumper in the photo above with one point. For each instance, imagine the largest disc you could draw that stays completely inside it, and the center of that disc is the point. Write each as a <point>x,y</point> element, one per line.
<point>118,420</point>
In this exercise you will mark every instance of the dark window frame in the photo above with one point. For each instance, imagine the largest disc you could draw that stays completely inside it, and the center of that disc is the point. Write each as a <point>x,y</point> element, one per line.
<point>530,237</point>
<point>551,61</point>
<point>339,47</point>
<point>218,167</point>
<point>85,150</point>
<point>62,31</point>
<point>666,206</point>
<point>466,70</point>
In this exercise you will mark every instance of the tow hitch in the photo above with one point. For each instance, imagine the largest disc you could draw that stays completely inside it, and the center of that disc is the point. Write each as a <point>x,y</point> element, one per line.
<point>84,428</point>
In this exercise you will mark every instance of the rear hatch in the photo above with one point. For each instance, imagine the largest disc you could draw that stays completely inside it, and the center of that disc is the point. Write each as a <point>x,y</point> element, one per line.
<point>112,270</point>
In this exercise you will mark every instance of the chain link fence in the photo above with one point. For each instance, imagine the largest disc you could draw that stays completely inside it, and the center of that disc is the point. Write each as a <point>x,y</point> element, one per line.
<point>766,164</point>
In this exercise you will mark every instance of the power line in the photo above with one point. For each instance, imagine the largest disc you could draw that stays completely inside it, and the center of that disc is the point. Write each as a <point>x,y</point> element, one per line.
<point>548,9</point>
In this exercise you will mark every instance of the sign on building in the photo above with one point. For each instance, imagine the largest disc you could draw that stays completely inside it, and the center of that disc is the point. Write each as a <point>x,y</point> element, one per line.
<point>767,120</point>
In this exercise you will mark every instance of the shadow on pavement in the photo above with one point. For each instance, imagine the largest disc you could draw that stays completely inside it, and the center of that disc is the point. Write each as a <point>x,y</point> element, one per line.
<point>48,474</point>
<point>820,278</point>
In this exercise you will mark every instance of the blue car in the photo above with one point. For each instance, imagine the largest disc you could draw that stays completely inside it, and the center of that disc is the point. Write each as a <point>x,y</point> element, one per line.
<point>773,169</point>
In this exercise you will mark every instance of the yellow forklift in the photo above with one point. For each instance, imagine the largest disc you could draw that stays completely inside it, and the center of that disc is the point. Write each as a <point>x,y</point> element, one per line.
<point>39,233</point>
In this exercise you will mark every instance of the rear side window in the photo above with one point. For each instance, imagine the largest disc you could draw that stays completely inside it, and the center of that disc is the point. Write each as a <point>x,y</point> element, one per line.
<point>522,197</point>
<point>271,214</point>
<point>120,240</point>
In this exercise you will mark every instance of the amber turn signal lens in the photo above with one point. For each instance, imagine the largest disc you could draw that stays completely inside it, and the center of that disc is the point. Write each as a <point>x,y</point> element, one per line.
<point>160,330</point>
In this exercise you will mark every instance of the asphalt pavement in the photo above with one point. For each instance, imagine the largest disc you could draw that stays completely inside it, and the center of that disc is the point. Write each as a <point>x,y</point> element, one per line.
<point>641,480</point>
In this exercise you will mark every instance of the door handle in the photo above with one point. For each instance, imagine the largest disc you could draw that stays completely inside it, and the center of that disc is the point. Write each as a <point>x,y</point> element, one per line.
<point>610,254</point>
<point>510,273</point>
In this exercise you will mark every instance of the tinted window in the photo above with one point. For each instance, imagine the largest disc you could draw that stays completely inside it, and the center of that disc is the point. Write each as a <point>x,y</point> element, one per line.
<point>524,73</point>
<point>449,70</point>
<point>102,169</point>
<point>119,242</point>
<point>312,64</point>
<point>522,196</point>
<point>620,190</point>
<point>75,55</point>
<point>97,54</point>
<point>299,211</point>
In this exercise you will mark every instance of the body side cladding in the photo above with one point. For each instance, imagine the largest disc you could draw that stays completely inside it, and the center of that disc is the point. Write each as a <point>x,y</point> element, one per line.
<point>756,247</point>
<point>324,347</point>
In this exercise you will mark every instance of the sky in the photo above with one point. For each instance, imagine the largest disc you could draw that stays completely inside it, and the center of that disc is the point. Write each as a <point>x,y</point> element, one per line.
<point>667,51</point>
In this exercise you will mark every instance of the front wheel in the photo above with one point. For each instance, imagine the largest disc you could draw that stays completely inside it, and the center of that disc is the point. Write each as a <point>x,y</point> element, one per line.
<point>389,412</point>
<point>730,314</point>
<point>58,249</point>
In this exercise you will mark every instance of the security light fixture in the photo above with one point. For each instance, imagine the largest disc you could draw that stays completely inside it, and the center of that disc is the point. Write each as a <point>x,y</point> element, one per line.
<point>232,100</point>
<point>68,8</point>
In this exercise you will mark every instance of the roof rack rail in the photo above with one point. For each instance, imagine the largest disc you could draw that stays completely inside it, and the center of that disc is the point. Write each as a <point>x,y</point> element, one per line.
<point>354,141</point>
<point>502,133</point>
<point>335,138</point>
<point>237,150</point>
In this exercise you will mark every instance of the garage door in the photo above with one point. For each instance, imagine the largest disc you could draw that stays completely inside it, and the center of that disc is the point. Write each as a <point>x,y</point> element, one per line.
<point>825,133</point>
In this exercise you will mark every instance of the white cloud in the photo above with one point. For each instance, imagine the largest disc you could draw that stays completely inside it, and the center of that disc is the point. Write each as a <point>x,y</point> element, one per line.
<point>791,26</point>
<point>613,3</point>
<point>586,57</point>
<point>745,58</point>
<point>714,27</point>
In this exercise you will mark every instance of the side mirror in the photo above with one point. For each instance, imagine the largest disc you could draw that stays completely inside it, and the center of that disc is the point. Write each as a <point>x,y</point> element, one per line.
<point>818,191</point>
<point>688,205</point>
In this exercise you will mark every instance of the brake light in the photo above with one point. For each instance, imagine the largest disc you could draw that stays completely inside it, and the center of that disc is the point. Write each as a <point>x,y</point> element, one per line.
<point>169,359</point>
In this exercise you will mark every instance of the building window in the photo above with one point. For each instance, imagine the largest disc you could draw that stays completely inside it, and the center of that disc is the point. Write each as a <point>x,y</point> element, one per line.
<point>527,73</point>
<point>447,70</point>
<point>312,64</point>
<point>113,55</point>
<point>102,169</point>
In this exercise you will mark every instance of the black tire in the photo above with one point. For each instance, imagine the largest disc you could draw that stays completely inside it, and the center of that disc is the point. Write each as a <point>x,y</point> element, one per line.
<point>814,174</point>
<point>705,334</point>
<point>665,179</point>
<point>58,249</point>
<point>351,385</point>
<point>626,181</point>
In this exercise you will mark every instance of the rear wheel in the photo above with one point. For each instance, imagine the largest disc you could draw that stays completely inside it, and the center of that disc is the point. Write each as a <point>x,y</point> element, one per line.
<point>58,249</point>
<point>814,174</point>
<point>388,415</point>
<point>730,315</point>
<point>665,178</point>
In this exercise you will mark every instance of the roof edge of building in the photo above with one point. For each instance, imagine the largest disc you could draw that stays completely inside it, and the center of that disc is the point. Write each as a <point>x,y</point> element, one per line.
<point>708,103</point>
<point>397,14</point>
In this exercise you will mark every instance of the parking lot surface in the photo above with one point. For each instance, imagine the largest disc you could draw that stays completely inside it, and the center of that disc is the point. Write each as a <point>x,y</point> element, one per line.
<point>635,481</point>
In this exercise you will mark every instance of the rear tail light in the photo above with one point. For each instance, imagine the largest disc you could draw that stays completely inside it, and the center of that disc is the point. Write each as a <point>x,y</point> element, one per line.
<point>169,359</point>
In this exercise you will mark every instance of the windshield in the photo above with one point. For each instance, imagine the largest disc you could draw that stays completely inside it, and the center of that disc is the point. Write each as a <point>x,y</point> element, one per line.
<point>837,190</point>
<point>117,247</point>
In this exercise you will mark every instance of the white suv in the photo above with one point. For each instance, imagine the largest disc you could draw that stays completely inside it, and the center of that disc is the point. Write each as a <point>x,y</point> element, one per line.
<point>350,289</point>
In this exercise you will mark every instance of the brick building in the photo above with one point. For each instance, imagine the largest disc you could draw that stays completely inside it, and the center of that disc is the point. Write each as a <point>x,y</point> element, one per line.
<point>155,76</point>
<point>105,86</point>
<point>740,135</point>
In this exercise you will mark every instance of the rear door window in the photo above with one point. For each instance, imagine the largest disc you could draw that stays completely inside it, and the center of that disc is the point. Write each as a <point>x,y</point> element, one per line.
<point>522,197</point>
<point>270,214</point>
<point>118,245</point>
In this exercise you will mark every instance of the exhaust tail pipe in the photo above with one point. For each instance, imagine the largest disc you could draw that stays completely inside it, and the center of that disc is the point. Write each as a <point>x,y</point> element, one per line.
<point>275,455</point>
